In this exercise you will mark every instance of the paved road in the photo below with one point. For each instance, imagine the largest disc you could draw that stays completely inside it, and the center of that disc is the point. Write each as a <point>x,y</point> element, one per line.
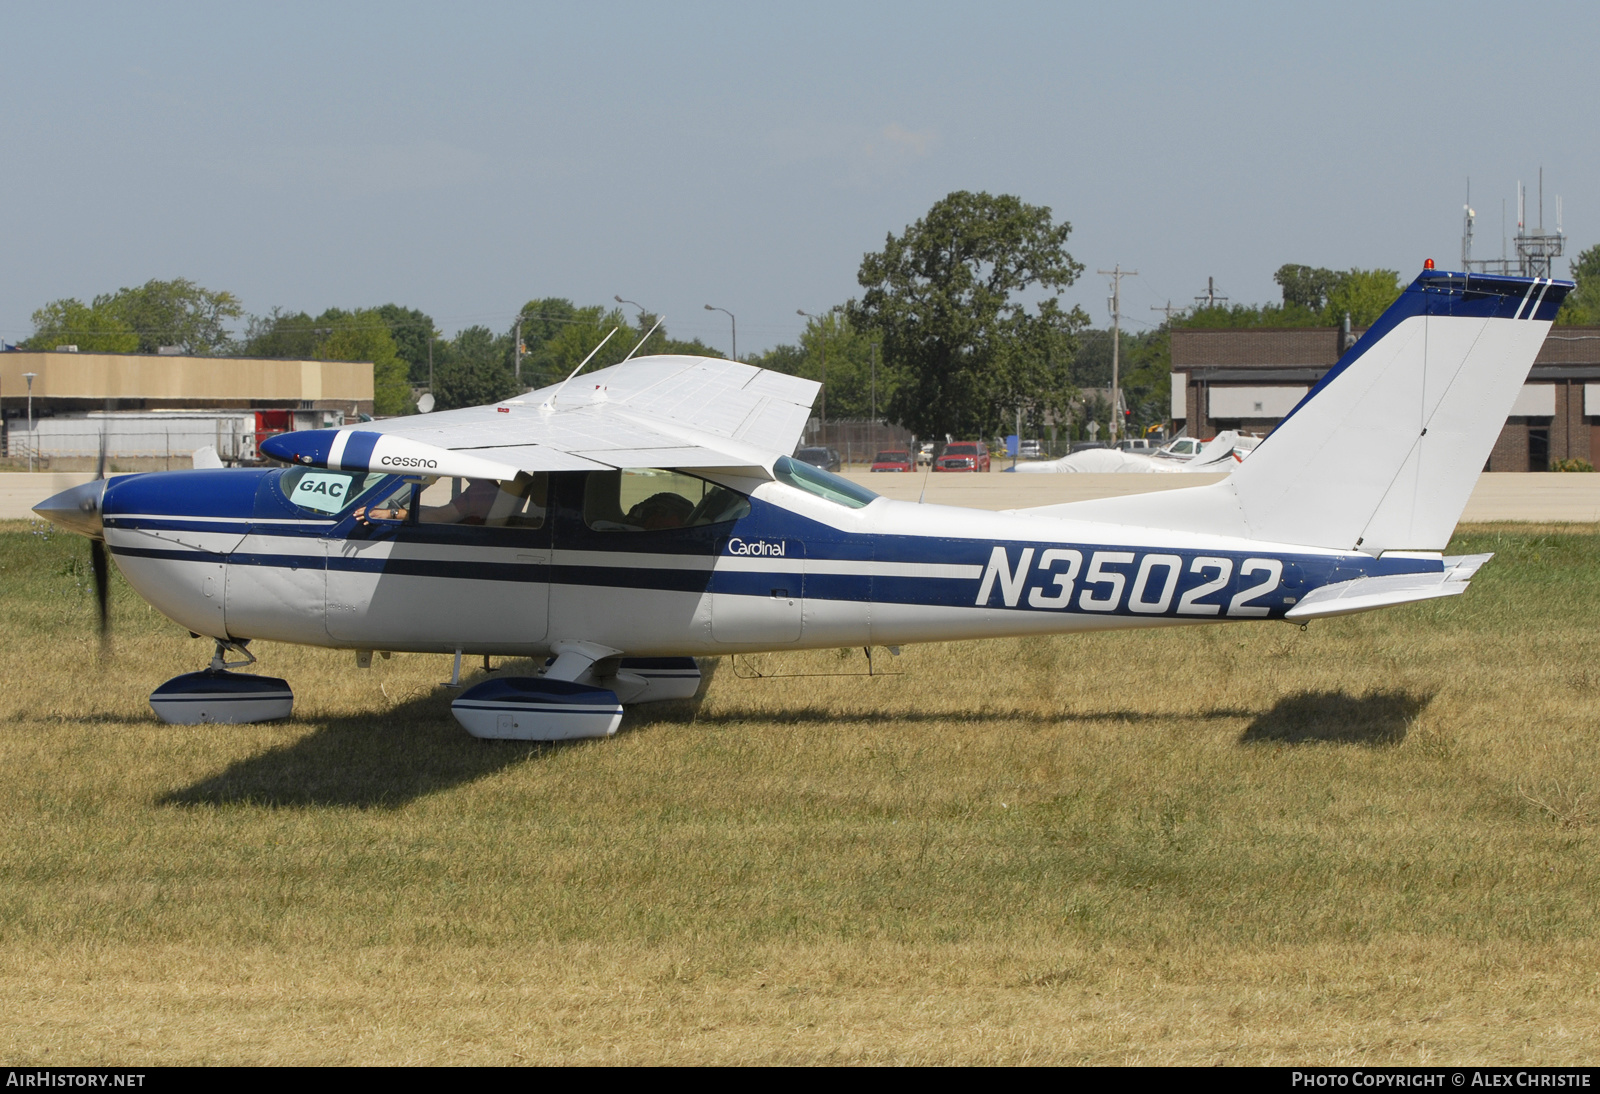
<point>1498,496</point>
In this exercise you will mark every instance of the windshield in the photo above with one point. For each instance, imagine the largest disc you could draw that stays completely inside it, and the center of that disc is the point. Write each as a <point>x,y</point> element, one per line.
<point>326,492</point>
<point>824,484</point>
<point>961,450</point>
<point>893,457</point>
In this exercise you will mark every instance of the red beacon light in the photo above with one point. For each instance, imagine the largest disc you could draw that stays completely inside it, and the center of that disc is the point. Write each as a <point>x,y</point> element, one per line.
<point>1428,264</point>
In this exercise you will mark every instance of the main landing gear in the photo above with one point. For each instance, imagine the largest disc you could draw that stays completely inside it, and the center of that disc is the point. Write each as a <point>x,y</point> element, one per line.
<point>580,694</point>
<point>217,695</point>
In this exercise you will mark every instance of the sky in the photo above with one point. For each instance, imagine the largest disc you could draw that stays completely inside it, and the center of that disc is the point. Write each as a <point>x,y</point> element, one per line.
<point>466,158</point>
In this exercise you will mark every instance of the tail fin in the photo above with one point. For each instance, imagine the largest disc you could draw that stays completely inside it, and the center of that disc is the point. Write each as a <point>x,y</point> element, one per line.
<point>1383,453</point>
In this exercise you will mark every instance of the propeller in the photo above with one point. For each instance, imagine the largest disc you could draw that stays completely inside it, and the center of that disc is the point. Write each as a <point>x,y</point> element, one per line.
<point>97,545</point>
<point>78,509</point>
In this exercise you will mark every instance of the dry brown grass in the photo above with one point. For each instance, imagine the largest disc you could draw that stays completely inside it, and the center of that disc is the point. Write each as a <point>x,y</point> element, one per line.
<point>1366,842</point>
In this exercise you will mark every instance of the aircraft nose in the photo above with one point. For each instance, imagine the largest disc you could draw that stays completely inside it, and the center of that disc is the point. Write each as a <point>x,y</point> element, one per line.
<point>76,510</point>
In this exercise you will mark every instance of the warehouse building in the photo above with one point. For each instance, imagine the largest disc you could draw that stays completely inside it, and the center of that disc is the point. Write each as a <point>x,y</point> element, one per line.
<point>1250,379</point>
<point>162,407</point>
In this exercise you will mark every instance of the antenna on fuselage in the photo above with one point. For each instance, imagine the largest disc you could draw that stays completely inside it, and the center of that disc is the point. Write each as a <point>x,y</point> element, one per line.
<point>642,341</point>
<point>550,404</point>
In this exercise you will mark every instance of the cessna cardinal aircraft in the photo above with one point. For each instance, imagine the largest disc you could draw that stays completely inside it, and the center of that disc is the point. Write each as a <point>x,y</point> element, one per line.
<point>617,525</point>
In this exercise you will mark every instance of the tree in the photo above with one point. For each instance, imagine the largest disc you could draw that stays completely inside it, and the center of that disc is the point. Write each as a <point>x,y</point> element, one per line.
<point>1363,295</point>
<point>364,336</point>
<point>1145,378</point>
<point>175,313</point>
<point>848,355</point>
<point>70,322</point>
<point>962,350</point>
<point>280,334</point>
<point>1312,297</point>
<point>1305,286</point>
<point>1582,305</point>
<point>473,369</point>
<point>557,336</point>
<point>412,331</point>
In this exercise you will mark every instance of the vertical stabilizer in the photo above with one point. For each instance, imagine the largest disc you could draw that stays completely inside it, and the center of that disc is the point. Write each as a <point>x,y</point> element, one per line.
<point>1383,453</point>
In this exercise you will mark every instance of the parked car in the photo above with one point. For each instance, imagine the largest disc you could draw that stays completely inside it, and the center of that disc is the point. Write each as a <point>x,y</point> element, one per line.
<point>963,456</point>
<point>818,456</point>
<point>925,453</point>
<point>1137,444</point>
<point>1084,446</point>
<point>897,459</point>
<point>1030,450</point>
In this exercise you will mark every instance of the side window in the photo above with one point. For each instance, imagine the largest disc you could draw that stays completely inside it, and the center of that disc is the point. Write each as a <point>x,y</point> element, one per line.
<point>485,502</point>
<point>650,500</point>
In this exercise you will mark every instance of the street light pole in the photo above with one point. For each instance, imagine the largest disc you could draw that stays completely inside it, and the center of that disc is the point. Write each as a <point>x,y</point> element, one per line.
<point>735,323</point>
<point>32,442</point>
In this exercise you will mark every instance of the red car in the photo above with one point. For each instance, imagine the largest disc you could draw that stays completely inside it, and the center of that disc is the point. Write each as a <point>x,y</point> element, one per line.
<point>963,456</point>
<point>895,460</point>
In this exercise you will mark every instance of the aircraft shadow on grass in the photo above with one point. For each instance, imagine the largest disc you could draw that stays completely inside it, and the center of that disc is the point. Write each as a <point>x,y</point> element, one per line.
<point>385,760</point>
<point>1333,717</point>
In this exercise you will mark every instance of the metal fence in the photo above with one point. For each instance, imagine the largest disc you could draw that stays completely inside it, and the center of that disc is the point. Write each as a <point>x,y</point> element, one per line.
<point>74,440</point>
<point>857,440</point>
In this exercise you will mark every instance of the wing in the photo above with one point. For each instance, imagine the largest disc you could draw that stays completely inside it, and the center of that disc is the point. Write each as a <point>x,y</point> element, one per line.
<point>671,412</point>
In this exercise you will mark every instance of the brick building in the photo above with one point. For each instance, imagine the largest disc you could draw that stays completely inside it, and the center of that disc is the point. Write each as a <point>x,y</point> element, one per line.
<point>1250,379</point>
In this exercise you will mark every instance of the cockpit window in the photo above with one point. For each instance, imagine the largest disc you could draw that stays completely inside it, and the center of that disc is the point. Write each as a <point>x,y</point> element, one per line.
<point>652,500</point>
<point>824,484</point>
<point>323,492</point>
<point>518,503</point>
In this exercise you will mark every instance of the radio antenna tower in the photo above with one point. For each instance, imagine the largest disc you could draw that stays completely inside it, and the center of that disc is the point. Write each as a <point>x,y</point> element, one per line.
<point>1537,249</point>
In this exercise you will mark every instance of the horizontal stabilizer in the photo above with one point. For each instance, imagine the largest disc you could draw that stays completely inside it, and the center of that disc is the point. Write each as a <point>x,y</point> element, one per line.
<point>1365,593</point>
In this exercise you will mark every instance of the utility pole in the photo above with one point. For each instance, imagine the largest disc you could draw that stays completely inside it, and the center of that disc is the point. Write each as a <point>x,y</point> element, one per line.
<point>1211,299</point>
<point>517,350</point>
<point>1166,309</point>
<point>1116,274</point>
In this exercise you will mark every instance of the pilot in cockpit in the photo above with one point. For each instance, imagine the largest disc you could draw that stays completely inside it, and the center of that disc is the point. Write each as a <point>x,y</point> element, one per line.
<point>482,502</point>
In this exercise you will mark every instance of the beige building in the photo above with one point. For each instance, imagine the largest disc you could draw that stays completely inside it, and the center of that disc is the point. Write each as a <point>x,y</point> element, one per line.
<point>1251,379</point>
<point>167,406</point>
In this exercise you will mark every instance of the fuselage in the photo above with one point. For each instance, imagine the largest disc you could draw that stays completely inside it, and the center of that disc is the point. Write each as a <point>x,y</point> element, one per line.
<point>232,555</point>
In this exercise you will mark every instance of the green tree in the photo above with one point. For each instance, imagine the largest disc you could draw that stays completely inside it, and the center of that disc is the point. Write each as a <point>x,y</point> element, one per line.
<point>70,322</point>
<point>283,335</point>
<point>364,336</point>
<point>411,330</point>
<point>963,349</point>
<point>175,313</point>
<point>1306,287</point>
<point>848,354</point>
<point>1582,305</point>
<point>473,369</point>
<point>1312,297</point>
<point>1363,295</point>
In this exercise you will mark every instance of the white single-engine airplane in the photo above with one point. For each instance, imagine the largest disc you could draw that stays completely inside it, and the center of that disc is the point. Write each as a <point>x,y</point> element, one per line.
<point>630,519</point>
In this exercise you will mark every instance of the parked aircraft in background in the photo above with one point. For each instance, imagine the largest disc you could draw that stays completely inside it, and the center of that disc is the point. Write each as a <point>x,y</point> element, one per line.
<point>626,522</point>
<point>1222,453</point>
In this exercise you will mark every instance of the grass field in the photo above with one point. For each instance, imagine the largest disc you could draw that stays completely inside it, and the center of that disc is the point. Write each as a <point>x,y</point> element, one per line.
<point>1370,841</point>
